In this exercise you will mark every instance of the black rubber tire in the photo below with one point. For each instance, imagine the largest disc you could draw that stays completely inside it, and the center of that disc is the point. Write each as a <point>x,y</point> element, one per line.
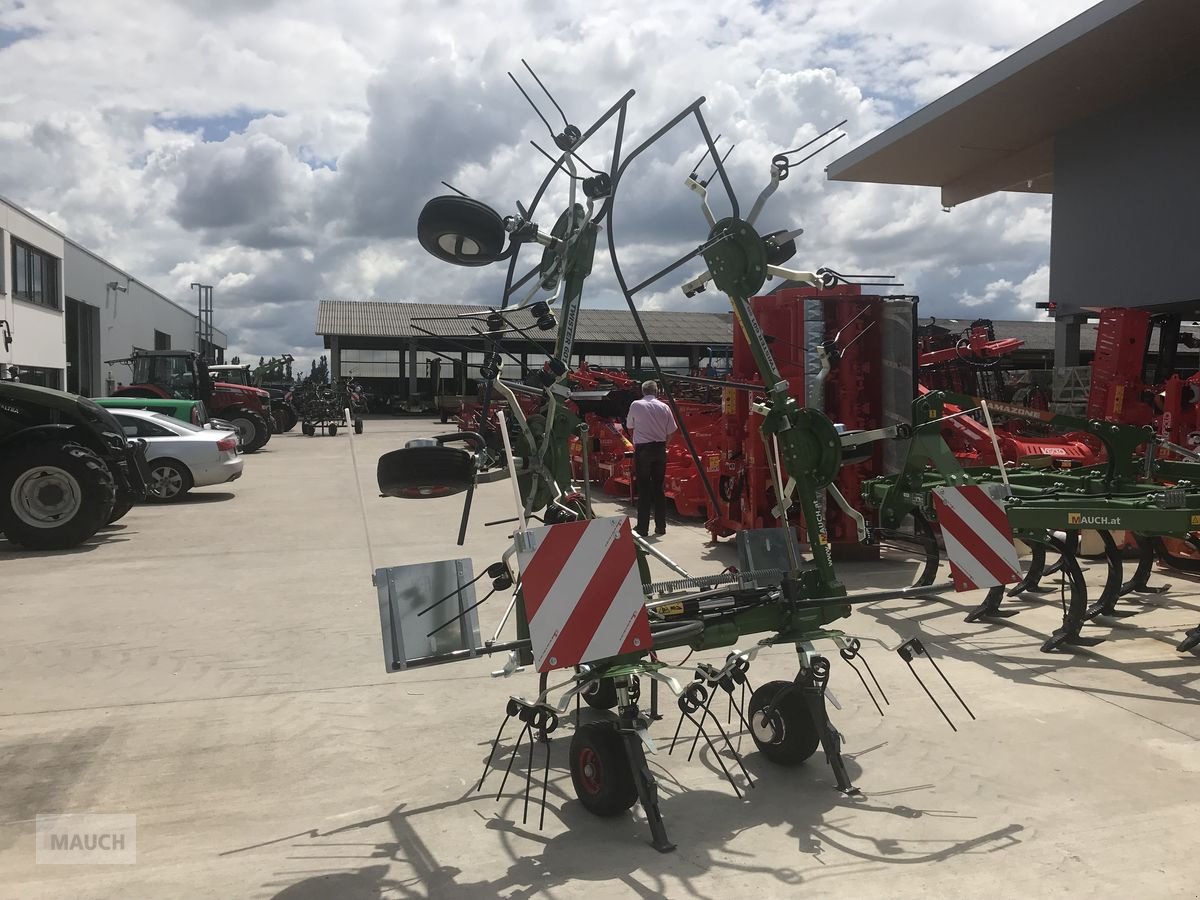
<point>332,430</point>
<point>122,505</point>
<point>309,430</point>
<point>450,217</point>
<point>98,494</point>
<point>445,417</point>
<point>600,770</point>
<point>179,469</point>
<point>424,472</point>
<point>250,421</point>
<point>358,426</point>
<point>287,419</point>
<point>795,736</point>
<point>603,696</point>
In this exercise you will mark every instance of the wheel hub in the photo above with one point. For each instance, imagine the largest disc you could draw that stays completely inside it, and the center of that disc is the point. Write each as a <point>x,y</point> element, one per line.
<point>589,768</point>
<point>767,729</point>
<point>46,496</point>
<point>165,482</point>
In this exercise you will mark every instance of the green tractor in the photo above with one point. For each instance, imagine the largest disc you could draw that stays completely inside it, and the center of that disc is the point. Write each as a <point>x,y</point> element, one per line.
<point>66,467</point>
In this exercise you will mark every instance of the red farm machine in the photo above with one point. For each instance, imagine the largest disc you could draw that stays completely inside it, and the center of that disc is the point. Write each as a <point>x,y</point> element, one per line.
<point>184,375</point>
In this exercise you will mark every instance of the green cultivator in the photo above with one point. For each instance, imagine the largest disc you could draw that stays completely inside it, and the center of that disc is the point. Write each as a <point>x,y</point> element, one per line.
<point>1136,490</point>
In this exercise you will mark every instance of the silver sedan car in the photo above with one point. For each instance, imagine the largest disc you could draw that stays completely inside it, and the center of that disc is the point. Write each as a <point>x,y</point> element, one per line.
<point>181,455</point>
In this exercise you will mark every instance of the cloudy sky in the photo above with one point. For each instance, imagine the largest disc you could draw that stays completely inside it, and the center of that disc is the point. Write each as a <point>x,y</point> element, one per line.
<point>281,151</point>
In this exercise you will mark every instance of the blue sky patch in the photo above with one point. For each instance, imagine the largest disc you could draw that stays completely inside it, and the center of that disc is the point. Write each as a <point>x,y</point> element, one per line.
<point>211,128</point>
<point>10,36</point>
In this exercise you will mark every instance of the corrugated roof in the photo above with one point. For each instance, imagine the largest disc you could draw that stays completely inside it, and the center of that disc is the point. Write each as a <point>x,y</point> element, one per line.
<point>377,318</point>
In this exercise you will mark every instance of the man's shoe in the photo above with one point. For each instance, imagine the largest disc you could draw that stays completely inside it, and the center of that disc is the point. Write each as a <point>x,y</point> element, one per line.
<point>659,532</point>
<point>640,533</point>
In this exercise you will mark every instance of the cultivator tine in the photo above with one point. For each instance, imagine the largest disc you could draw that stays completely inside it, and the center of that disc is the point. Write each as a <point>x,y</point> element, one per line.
<point>853,650</point>
<point>1191,640</point>
<point>1106,605</point>
<point>913,648</point>
<point>990,607</point>
<point>1031,582</point>
<point>1138,583</point>
<point>1074,613</point>
<point>1066,549</point>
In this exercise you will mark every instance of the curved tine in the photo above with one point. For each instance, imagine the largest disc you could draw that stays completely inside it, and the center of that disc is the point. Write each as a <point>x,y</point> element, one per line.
<point>1106,605</point>
<point>1073,615</point>
<point>1141,575</point>
<point>1031,582</point>
<point>1070,545</point>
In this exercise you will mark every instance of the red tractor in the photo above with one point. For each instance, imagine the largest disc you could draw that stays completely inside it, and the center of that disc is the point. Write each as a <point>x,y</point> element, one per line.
<point>183,375</point>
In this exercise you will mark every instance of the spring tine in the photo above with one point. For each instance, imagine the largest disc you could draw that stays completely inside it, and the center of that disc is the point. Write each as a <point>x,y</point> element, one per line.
<point>929,695</point>
<point>729,711</point>
<point>874,679</point>
<point>452,593</point>
<point>938,669</point>
<point>545,784</point>
<point>729,744</point>
<point>745,725</point>
<point>696,739</point>
<point>678,728</point>
<point>866,686</point>
<point>450,622</point>
<point>513,758</point>
<point>716,754</point>
<point>528,778</point>
<point>495,744</point>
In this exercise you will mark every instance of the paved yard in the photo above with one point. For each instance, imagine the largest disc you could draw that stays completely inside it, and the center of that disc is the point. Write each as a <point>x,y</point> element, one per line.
<point>215,668</point>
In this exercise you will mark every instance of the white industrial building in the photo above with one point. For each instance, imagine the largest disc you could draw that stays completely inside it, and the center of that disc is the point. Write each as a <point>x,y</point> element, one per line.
<point>67,310</point>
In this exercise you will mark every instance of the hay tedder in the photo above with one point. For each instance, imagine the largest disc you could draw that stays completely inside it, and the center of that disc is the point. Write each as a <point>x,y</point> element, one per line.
<point>588,615</point>
<point>326,407</point>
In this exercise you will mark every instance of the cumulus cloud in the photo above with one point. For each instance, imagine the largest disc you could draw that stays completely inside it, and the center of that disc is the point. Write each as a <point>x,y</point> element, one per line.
<point>281,151</point>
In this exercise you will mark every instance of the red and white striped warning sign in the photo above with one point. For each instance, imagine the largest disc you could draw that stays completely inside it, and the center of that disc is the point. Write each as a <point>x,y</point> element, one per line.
<point>583,593</point>
<point>978,537</point>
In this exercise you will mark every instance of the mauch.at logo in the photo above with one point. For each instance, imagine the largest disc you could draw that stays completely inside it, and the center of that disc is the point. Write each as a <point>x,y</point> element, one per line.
<point>86,839</point>
<point>1074,518</point>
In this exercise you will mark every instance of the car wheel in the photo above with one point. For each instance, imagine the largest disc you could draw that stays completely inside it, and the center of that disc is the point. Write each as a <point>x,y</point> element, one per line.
<point>169,481</point>
<point>54,496</point>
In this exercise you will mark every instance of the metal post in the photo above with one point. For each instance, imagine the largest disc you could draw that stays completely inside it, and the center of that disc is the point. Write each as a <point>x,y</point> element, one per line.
<point>412,369</point>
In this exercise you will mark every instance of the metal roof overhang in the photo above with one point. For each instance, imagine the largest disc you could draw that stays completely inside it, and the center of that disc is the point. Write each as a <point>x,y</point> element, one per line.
<point>996,131</point>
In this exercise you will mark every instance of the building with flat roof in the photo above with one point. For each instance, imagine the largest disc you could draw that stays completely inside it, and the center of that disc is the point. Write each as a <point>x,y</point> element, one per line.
<point>1103,113</point>
<point>65,310</point>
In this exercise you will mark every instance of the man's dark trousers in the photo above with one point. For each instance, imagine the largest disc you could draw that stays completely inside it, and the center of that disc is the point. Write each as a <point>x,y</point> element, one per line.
<point>650,463</point>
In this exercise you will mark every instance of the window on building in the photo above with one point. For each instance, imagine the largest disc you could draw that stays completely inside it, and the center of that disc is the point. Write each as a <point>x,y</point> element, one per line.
<point>34,275</point>
<point>51,378</point>
<point>161,341</point>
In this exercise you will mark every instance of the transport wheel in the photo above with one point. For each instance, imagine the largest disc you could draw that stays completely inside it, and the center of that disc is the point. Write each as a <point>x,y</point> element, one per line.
<point>602,695</point>
<point>461,231</point>
<point>420,472</point>
<point>332,430</point>
<point>54,496</point>
<point>600,770</point>
<point>308,429</point>
<point>787,736</point>
<point>358,426</point>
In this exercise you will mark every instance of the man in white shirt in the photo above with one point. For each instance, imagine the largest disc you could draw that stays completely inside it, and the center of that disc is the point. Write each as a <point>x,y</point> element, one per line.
<point>652,423</point>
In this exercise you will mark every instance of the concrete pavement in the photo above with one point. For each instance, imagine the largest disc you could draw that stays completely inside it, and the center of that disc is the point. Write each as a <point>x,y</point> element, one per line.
<point>215,668</point>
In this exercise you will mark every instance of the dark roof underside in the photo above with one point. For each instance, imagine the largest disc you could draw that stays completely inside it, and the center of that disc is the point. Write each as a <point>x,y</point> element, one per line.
<point>996,132</point>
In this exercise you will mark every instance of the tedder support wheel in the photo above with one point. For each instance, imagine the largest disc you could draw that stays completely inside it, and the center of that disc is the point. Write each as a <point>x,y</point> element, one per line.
<point>308,429</point>
<point>420,472</point>
<point>252,429</point>
<point>600,770</point>
<point>603,695</point>
<point>332,430</point>
<point>358,426</point>
<point>788,735</point>
<point>54,496</point>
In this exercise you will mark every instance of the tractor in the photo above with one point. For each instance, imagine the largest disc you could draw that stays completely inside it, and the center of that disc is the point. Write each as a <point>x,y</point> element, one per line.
<point>183,374</point>
<point>66,467</point>
<point>283,414</point>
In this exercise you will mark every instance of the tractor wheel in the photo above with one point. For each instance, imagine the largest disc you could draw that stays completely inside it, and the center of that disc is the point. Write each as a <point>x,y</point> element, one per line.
<point>603,694</point>
<point>420,472</point>
<point>787,736</point>
<point>54,496</point>
<point>169,481</point>
<point>600,770</point>
<point>123,504</point>
<point>253,430</point>
<point>358,426</point>
<point>287,419</point>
